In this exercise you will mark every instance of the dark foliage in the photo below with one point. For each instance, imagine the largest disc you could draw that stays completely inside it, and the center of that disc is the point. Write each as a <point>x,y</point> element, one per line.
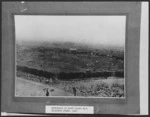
<point>70,75</point>
<point>35,71</point>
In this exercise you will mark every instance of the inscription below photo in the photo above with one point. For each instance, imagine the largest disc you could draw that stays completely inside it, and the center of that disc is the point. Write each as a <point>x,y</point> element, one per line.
<point>70,56</point>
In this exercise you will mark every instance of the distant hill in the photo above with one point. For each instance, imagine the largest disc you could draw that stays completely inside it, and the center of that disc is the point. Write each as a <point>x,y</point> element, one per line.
<point>70,45</point>
<point>68,57</point>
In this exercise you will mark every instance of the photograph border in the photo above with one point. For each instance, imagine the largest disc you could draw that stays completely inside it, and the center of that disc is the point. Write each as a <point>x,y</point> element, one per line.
<point>104,106</point>
<point>28,14</point>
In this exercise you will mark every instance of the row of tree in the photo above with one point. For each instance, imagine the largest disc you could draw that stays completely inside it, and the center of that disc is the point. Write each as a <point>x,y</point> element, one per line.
<point>70,75</point>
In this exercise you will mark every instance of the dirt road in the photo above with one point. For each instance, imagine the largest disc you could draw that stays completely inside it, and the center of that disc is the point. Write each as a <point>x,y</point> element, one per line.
<point>25,88</point>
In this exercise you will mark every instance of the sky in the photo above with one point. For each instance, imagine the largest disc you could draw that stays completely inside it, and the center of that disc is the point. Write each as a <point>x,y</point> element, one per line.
<point>95,30</point>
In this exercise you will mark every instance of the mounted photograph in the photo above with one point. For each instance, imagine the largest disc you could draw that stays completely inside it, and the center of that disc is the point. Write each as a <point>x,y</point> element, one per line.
<point>70,56</point>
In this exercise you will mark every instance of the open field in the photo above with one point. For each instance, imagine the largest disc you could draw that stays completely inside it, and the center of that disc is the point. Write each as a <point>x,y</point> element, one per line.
<point>31,85</point>
<point>30,88</point>
<point>62,58</point>
<point>69,70</point>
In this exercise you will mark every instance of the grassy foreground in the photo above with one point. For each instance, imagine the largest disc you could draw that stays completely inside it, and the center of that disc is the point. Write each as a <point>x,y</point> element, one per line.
<point>93,87</point>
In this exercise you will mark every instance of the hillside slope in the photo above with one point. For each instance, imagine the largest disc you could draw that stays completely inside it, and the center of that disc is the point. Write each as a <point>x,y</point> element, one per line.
<point>25,88</point>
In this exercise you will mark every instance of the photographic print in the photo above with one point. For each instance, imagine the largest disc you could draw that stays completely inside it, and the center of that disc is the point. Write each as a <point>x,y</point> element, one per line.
<point>70,56</point>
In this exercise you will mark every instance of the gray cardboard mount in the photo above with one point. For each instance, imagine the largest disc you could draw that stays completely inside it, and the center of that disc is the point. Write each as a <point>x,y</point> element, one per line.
<point>129,105</point>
